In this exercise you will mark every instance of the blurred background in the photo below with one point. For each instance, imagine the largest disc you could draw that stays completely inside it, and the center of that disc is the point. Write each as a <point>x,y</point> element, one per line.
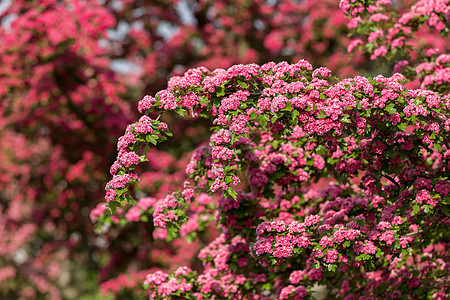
<point>71,73</point>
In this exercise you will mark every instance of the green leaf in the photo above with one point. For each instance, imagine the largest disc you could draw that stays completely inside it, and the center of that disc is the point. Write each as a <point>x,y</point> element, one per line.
<point>191,236</point>
<point>445,200</point>
<point>146,150</point>
<point>121,192</point>
<point>150,139</point>
<point>402,126</point>
<point>331,267</point>
<point>267,286</point>
<point>345,118</point>
<point>130,199</point>
<point>172,232</point>
<point>288,106</point>
<point>321,115</point>
<point>180,111</point>
<point>263,120</point>
<point>390,108</point>
<point>113,205</point>
<point>243,84</point>
<point>446,210</point>
<point>379,253</point>
<point>415,210</point>
<point>230,193</point>
<point>321,150</point>
<point>221,92</point>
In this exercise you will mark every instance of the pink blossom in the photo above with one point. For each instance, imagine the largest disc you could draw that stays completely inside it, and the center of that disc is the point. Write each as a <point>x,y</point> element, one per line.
<point>133,215</point>
<point>388,237</point>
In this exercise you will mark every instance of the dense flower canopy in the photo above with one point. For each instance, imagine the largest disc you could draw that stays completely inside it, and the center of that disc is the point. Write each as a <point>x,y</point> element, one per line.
<point>71,71</point>
<point>411,36</point>
<point>278,128</point>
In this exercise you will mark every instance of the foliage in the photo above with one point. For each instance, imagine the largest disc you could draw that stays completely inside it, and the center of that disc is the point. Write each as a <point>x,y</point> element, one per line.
<point>279,128</point>
<point>69,71</point>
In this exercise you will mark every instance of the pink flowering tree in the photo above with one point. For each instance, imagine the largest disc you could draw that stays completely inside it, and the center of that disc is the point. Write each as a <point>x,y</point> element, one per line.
<point>58,94</point>
<point>377,229</point>
<point>64,101</point>
<point>411,36</point>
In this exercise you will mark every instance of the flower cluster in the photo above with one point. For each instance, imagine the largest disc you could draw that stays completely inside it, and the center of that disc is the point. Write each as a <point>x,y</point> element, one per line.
<point>435,72</point>
<point>407,35</point>
<point>278,129</point>
<point>69,70</point>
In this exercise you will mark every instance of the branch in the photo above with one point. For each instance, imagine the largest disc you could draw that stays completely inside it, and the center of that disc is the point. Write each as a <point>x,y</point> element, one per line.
<point>391,180</point>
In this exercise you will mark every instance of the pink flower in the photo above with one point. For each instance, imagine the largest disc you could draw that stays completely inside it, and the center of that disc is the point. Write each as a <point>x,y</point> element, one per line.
<point>98,211</point>
<point>133,215</point>
<point>388,237</point>
<point>354,44</point>
<point>128,159</point>
<point>297,276</point>
<point>146,103</point>
<point>397,220</point>
<point>398,66</point>
<point>146,202</point>
<point>423,195</point>
<point>442,187</point>
<point>312,220</point>
<point>423,183</point>
<point>156,278</point>
<point>331,256</point>
<point>369,248</point>
<point>380,51</point>
<point>221,137</point>
<point>326,241</point>
<point>403,241</point>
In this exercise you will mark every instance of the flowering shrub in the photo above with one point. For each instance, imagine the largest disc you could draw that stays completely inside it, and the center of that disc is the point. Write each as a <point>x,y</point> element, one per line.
<point>64,100</point>
<point>378,229</point>
<point>411,36</point>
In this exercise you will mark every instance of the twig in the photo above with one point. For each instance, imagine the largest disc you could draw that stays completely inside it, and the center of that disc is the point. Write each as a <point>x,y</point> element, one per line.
<point>392,180</point>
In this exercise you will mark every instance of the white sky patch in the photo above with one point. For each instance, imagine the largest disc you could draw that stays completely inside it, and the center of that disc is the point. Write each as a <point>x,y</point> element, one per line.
<point>122,66</point>
<point>185,12</point>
